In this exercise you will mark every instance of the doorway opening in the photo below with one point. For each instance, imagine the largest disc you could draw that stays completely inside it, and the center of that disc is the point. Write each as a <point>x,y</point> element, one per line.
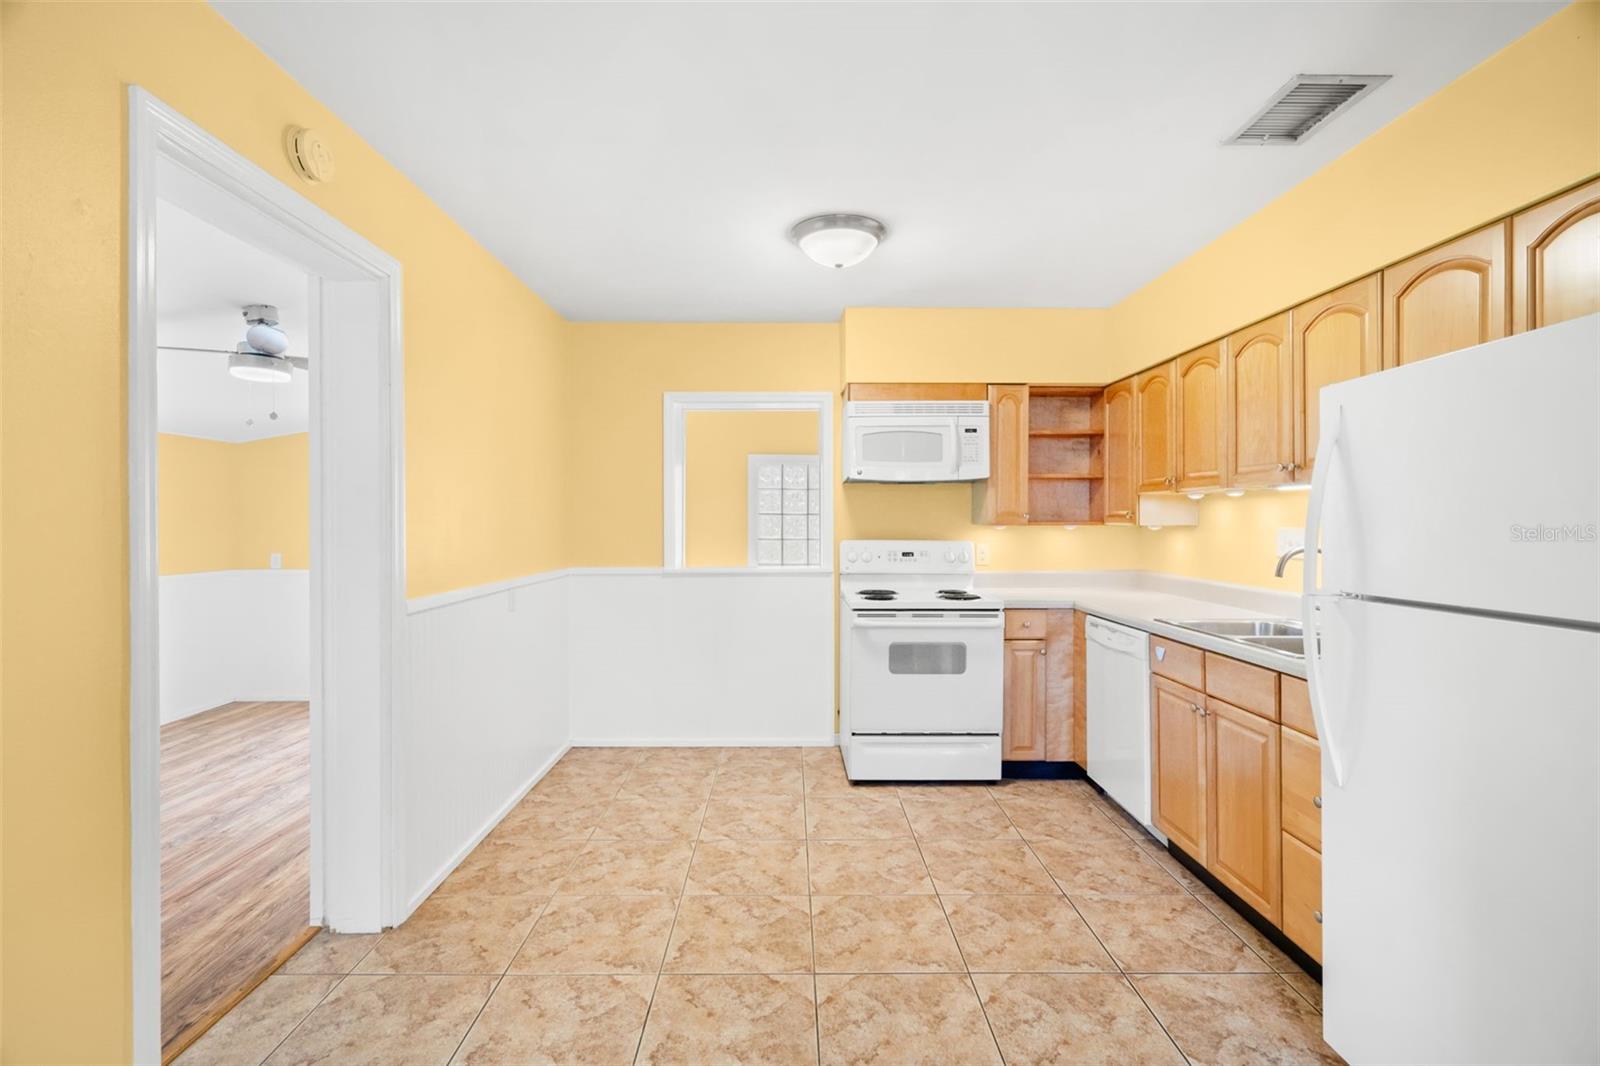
<point>308,665</point>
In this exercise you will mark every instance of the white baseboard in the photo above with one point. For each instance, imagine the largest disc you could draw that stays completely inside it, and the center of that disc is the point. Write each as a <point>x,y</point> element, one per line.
<point>484,830</point>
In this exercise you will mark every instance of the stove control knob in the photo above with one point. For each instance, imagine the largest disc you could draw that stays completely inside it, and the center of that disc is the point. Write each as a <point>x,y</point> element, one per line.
<point>963,555</point>
<point>949,555</point>
<point>850,556</point>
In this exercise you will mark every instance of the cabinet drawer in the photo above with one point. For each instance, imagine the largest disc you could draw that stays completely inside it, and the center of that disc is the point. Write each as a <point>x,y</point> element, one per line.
<point>1181,663</point>
<point>1294,700</point>
<point>1025,625</point>
<point>1302,896</point>
<point>1302,787</point>
<point>1242,685</point>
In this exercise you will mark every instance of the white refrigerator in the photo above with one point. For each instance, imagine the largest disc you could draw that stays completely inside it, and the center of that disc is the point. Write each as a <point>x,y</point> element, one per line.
<point>1453,654</point>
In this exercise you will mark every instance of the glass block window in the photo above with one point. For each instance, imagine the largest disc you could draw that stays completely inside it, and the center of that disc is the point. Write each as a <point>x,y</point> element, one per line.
<point>785,501</point>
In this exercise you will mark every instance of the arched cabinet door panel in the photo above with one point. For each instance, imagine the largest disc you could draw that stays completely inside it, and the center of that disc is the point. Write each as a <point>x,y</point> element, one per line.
<point>1259,405</point>
<point>1337,337</point>
<point>1198,381</point>
<point>1157,438</point>
<point>1447,298</point>
<point>1555,264</point>
<point>1121,453</point>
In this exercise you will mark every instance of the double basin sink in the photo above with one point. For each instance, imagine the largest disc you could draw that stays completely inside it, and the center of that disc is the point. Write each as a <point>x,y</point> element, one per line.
<point>1282,635</point>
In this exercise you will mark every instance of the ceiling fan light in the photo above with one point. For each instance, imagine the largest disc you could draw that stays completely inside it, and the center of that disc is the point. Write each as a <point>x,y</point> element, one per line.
<point>260,367</point>
<point>838,241</point>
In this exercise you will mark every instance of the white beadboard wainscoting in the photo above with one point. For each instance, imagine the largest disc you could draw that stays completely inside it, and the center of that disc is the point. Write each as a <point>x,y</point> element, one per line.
<point>484,716</point>
<point>233,635</point>
<point>724,657</point>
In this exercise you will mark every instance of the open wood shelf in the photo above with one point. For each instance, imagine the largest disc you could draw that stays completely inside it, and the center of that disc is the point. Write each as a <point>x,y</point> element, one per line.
<point>1091,433</point>
<point>1065,477</point>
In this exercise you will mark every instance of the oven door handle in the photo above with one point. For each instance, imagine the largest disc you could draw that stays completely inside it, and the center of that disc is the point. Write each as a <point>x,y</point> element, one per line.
<point>929,623</point>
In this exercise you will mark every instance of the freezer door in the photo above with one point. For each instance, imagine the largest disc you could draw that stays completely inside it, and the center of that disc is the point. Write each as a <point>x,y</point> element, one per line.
<point>1460,885</point>
<point>1472,479</point>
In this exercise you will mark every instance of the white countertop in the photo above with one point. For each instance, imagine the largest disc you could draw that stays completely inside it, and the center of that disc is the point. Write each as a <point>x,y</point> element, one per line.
<point>1138,599</point>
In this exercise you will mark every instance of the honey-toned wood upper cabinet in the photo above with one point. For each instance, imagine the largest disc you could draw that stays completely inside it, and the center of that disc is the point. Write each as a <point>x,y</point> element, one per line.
<point>1448,298</point>
<point>1336,337</point>
<point>1555,259</point>
<point>1259,405</point>
<point>1023,732</point>
<point>1243,802</point>
<point>1002,498</point>
<point>1178,795</point>
<point>1197,378</point>
<point>1153,393</point>
<point>1121,451</point>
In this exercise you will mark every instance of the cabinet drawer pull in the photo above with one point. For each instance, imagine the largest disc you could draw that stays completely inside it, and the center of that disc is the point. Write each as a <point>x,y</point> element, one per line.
<point>1316,801</point>
<point>1318,916</point>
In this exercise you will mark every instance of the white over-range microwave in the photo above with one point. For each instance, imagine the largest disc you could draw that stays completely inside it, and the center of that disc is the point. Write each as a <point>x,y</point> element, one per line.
<point>912,440</point>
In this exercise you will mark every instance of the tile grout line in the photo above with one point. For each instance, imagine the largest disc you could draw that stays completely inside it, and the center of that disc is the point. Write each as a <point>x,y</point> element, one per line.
<point>296,1027</point>
<point>811,909</point>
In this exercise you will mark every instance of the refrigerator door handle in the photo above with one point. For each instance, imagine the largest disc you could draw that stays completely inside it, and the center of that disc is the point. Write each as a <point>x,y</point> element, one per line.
<point>1311,589</point>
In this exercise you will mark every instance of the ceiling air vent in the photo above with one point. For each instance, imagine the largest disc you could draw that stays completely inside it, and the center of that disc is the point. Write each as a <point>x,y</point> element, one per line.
<point>1303,106</point>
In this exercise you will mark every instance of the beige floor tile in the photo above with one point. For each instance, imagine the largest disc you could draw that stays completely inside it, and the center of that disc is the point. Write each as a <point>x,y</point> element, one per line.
<point>755,818</point>
<point>671,782</point>
<point>683,756</point>
<point>512,867</point>
<point>754,1019</point>
<point>387,1021</point>
<point>978,818</point>
<point>629,868</point>
<point>902,1020</point>
<point>1065,818</point>
<point>753,779</point>
<point>883,934</point>
<point>1072,1019</point>
<point>335,953</point>
<point>999,867</point>
<point>652,818</point>
<point>741,934</point>
<point>1105,867</point>
<point>867,867</point>
<point>540,1020</point>
<point>953,791</point>
<point>1236,1018</point>
<point>249,1032</point>
<point>822,755</point>
<point>1309,987</point>
<point>1269,952</point>
<point>872,816</point>
<point>1023,934</point>
<point>1043,788</point>
<point>1165,934</point>
<point>456,934</point>
<point>748,868</point>
<point>540,817</point>
<point>825,778</point>
<point>598,934</point>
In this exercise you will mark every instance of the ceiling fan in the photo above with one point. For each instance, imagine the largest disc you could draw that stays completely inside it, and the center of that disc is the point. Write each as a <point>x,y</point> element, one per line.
<point>260,357</point>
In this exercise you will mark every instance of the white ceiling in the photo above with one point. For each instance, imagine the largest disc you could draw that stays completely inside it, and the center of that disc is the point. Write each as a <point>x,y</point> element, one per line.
<point>644,161</point>
<point>204,277</point>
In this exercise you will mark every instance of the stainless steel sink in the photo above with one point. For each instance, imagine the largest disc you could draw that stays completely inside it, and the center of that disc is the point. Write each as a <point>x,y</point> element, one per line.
<point>1281,635</point>
<point>1237,629</point>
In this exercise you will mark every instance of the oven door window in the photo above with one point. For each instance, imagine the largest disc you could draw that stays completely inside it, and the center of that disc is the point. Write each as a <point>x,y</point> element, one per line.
<point>922,447</point>
<point>943,657</point>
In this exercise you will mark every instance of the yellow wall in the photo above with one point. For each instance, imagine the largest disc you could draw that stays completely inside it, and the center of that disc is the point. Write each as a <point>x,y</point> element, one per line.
<point>231,506</point>
<point>1061,346</point>
<point>717,450</point>
<point>1236,540</point>
<point>484,430</point>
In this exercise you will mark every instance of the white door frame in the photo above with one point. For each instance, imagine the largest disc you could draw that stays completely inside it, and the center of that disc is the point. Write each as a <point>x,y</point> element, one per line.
<point>675,406</point>
<point>357,534</point>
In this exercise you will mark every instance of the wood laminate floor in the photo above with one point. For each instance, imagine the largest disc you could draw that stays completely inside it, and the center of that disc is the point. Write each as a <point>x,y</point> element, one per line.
<point>235,856</point>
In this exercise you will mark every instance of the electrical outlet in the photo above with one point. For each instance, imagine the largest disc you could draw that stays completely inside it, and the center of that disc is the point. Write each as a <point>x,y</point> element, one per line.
<point>277,561</point>
<point>983,554</point>
<point>1291,538</point>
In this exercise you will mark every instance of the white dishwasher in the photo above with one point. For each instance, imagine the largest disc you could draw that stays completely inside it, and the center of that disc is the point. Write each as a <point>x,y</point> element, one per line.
<point>1119,714</point>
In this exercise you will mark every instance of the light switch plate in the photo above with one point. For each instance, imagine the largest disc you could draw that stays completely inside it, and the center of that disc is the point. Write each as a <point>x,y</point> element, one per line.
<point>276,561</point>
<point>1291,538</point>
<point>983,554</point>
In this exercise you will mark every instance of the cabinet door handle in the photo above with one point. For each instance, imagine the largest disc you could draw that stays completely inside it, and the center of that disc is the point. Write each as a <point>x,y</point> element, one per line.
<point>1318,916</point>
<point>1041,651</point>
<point>1316,801</point>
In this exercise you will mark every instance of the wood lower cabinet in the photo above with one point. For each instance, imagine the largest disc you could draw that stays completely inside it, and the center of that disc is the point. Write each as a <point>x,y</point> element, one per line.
<point>1336,337</point>
<point>1302,896</point>
<point>1121,452</point>
<point>1153,392</point>
<point>1555,259</point>
<point>1300,760</point>
<point>1026,697</point>
<point>1259,405</point>
<point>1001,499</point>
<point>1197,381</point>
<point>1179,795</point>
<point>1448,298</point>
<point>1243,846</point>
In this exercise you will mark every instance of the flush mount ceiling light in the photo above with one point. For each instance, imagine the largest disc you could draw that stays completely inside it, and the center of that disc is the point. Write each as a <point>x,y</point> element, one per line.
<point>838,241</point>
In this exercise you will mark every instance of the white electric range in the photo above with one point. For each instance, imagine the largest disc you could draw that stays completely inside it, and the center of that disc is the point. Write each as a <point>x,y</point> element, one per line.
<point>921,663</point>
